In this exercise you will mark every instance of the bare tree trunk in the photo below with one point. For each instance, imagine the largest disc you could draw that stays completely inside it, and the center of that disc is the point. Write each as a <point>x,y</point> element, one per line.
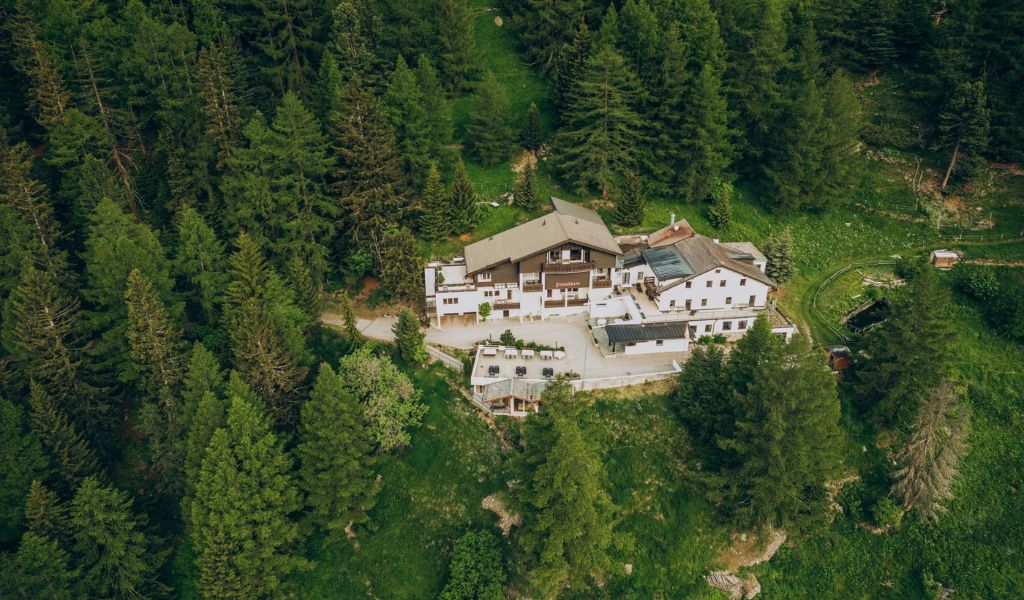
<point>952,165</point>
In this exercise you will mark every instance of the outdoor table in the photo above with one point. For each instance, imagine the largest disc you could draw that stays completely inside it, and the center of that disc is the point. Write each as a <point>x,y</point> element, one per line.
<point>545,354</point>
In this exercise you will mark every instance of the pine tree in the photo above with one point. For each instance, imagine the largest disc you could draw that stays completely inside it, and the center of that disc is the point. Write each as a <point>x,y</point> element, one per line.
<point>570,529</point>
<point>351,45</point>
<point>434,223</point>
<point>202,374</point>
<point>351,324</point>
<point>45,514</point>
<point>435,101</point>
<point>527,196</point>
<point>401,268</point>
<point>210,414</point>
<point>779,252</point>
<point>702,401</point>
<point>200,259</point>
<point>529,136</point>
<point>389,401</point>
<point>242,531</point>
<point>549,25</point>
<point>964,130</point>
<point>601,137</point>
<point>787,424</point>
<point>300,280</point>
<point>409,337</point>
<point>464,213</point>
<point>489,132</point>
<point>334,454</point>
<point>630,200</point>
<point>458,50</point>
<point>283,35</point>
<point>404,107</point>
<point>928,462</point>
<point>720,211</point>
<point>116,558</point>
<point>154,340</point>
<point>369,171</point>
<point>911,352</point>
<point>39,569</point>
<point>218,93</point>
<point>476,569</point>
<point>69,451</point>
<point>22,461</point>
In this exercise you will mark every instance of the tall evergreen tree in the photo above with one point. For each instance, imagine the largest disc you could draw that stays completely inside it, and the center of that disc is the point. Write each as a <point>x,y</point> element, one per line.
<point>549,25</point>
<point>48,97</point>
<point>489,132</point>
<point>401,268</point>
<point>640,38</point>
<point>154,341</point>
<point>720,211</point>
<point>702,401</point>
<point>569,64</point>
<point>780,254</point>
<point>630,200</point>
<point>405,109</point>
<point>242,530</point>
<point>369,173</point>
<point>71,454</point>
<point>248,199</point>
<point>22,461</point>
<point>435,101</point>
<point>27,216</point>
<point>220,102</point>
<point>350,42</point>
<point>45,514</point>
<point>928,461</point>
<point>458,50</point>
<point>117,559</point>
<point>434,223</point>
<point>39,569</point>
<point>843,119</point>
<point>570,528</point>
<point>964,130</point>
<point>409,337</point>
<point>526,194</point>
<point>911,352</point>
<point>200,259</point>
<point>335,457</point>
<point>529,135</point>
<point>476,569</point>
<point>601,137</point>
<point>351,324</point>
<point>464,213</point>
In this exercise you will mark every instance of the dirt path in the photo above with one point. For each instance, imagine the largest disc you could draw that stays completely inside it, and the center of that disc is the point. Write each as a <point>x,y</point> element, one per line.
<point>993,262</point>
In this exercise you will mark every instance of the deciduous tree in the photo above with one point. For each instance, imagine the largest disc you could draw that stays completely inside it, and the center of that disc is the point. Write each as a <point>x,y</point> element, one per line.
<point>476,571</point>
<point>389,401</point>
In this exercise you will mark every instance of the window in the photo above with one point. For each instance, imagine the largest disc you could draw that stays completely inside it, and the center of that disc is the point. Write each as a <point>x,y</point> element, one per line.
<point>717,271</point>
<point>586,254</point>
<point>450,301</point>
<point>549,293</point>
<point>689,303</point>
<point>710,283</point>
<point>753,300</point>
<point>625,277</point>
<point>703,301</point>
<point>742,324</point>
<point>707,329</point>
<point>689,284</point>
<point>671,303</point>
<point>659,342</point>
<point>483,276</point>
<point>743,281</point>
<point>721,283</point>
<point>726,325</point>
<point>554,254</point>
<point>575,254</point>
<point>728,299</point>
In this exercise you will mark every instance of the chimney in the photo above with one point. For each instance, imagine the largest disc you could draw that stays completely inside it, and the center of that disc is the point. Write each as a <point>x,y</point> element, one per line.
<point>672,220</point>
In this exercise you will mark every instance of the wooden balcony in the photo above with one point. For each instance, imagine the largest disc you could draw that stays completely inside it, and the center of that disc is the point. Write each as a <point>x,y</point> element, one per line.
<point>602,282</point>
<point>533,287</point>
<point>504,304</point>
<point>569,267</point>
<point>563,303</point>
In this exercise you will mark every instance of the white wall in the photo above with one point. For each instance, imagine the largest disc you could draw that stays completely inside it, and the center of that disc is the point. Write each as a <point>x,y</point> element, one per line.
<point>611,308</point>
<point>716,295</point>
<point>652,347</point>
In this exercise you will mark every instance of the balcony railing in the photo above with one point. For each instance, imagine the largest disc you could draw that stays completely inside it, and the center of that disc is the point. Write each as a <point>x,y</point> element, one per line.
<point>570,267</point>
<point>505,304</point>
<point>602,282</point>
<point>456,287</point>
<point>533,287</point>
<point>563,302</point>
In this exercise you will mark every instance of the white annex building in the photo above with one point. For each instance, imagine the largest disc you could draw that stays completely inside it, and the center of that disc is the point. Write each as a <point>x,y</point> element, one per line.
<point>640,294</point>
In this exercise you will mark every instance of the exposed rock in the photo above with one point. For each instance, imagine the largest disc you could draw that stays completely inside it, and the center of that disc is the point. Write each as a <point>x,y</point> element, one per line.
<point>506,518</point>
<point>498,21</point>
<point>751,549</point>
<point>628,568</point>
<point>732,585</point>
<point>751,586</point>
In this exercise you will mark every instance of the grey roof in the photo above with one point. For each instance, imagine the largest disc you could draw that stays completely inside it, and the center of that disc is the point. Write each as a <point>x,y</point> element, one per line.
<point>643,333</point>
<point>632,257</point>
<point>569,223</point>
<point>703,254</point>
<point>667,263</point>
<point>745,251</point>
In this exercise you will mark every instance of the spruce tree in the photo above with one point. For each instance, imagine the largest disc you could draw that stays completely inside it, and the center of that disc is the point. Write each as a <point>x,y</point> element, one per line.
<point>389,401</point>
<point>210,414</point>
<point>911,352</point>
<point>458,50</point>
<point>964,130</point>
<point>527,196</point>
<point>928,461</point>
<point>45,514</point>
<point>220,103</point>
<point>401,268</point>
<point>569,63</point>
<point>434,219</point>
<point>351,324</point>
<point>370,178</point>
<point>702,401</point>
<point>116,558</point>
<point>476,570</point>
<point>489,132</point>
<point>22,461</point>
<point>202,374</point>
<point>843,119</point>
<point>154,341</point>
<point>335,457</point>
<point>640,39</point>
<point>404,107</point>
<point>570,526</point>
<point>464,213</point>
<point>39,569</point>
<point>630,200</point>
<point>71,454</point>
<point>240,518</point>
<point>200,259</point>
<point>435,101</point>
<point>602,132</point>
<point>530,136</point>
<point>34,233</point>
<point>720,211</point>
<point>48,96</point>
<point>351,45</point>
<point>246,188</point>
<point>409,337</point>
<point>549,25</point>
<point>780,253</point>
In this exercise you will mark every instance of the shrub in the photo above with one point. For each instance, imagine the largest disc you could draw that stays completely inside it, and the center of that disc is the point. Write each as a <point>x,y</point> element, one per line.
<point>484,309</point>
<point>981,284</point>
<point>506,338</point>
<point>887,513</point>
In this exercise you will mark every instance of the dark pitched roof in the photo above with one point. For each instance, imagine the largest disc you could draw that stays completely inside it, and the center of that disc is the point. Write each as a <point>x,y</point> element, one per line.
<point>643,333</point>
<point>703,254</point>
<point>667,263</point>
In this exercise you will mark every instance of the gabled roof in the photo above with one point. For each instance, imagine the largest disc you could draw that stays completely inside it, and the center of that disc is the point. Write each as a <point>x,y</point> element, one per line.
<point>568,223</point>
<point>670,234</point>
<point>703,254</point>
<point>643,333</point>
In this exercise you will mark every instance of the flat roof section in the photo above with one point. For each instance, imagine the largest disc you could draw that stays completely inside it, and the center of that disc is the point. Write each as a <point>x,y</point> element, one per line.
<point>618,334</point>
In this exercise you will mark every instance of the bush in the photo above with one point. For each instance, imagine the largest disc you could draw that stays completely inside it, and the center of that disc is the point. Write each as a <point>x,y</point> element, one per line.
<point>719,338</point>
<point>484,309</point>
<point>887,513</point>
<point>980,283</point>
<point>852,500</point>
<point>506,338</point>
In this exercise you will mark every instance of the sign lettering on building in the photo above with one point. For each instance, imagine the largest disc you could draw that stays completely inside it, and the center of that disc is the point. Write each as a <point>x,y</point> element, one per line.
<point>567,284</point>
